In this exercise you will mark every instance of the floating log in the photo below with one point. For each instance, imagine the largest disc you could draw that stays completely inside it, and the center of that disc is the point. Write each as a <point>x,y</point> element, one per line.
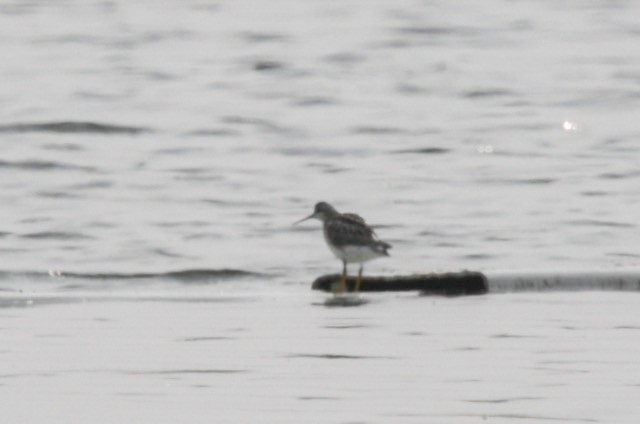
<point>448,284</point>
<point>474,283</point>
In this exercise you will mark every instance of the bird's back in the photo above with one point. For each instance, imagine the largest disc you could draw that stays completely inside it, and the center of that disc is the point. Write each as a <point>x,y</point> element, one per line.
<point>351,230</point>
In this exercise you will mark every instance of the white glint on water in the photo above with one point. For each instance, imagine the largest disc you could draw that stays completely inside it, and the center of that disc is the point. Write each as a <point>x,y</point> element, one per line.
<point>485,149</point>
<point>570,126</point>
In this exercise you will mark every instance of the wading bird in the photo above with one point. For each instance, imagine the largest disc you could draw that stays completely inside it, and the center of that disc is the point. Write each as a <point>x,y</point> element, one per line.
<point>349,238</point>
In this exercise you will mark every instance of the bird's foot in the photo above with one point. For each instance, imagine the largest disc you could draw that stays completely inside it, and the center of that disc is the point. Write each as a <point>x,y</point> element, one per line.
<point>340,288</point>
<point>356,290</point>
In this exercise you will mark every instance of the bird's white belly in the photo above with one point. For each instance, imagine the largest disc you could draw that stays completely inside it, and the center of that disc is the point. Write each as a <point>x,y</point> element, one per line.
<point>354,254</point>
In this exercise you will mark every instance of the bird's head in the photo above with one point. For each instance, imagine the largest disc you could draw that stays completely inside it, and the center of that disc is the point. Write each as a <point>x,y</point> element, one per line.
<point>322,211</point>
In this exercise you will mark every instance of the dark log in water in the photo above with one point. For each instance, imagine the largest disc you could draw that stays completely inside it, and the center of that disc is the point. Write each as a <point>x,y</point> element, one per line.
<point>447,284</point>
<point>469,283</point>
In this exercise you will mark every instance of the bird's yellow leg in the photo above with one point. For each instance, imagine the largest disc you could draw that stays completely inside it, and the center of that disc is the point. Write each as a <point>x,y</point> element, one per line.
<point>343,279</point>
<point>358,280</point>
<point>342,287</point>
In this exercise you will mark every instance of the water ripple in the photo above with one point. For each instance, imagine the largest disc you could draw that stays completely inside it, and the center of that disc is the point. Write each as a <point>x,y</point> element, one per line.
<point>72,127</point>
<point>336,356</point>
<point>425,151</point>
<point>184,276</point>
<point>600,223</point>
<point>40,165</point>
<point>56,235</point>
<point>186,371</point>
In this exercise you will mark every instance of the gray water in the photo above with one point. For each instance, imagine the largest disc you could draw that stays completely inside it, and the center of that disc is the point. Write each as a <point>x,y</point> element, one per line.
<point>154,156</point>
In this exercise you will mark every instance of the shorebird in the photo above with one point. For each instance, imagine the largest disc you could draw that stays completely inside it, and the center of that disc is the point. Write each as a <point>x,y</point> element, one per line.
<point>349,238</point>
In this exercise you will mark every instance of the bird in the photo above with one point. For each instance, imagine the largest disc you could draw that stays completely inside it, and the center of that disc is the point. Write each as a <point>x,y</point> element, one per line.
<point>349,238</point>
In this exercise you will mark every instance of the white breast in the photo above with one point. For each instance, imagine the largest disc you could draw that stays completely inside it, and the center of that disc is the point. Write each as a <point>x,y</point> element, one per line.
<point>354,254</point>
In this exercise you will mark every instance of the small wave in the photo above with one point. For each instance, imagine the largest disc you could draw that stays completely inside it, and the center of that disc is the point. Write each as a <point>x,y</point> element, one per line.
<point>263,37</point>
<point>56,235</point>
<point>90,185</point>
<point>56,195</point>
<point>63,147</point>
<point>504,400</point>
<point>594,193</point>
<point>519,181</point>
<point>231,203</point>
<point>173,151</point>
<point>427,30</point>
<point>332,356</point>
<point>624,255</point>
<point>378,130</point>
<point>347,58</point>
<point>534,181</point>
<point>619,175</point>
<point>213,132</point>
<point>186,371</point>
<point>189,275</point>
<point>425,151</point>
<point>600,223</point>
<point>257,123</point>
<point>39,165</point>
<point>308,101</point>
<point>72,127</point>
<point>486,93</point>
<point>268,65</point>
<point>183,276</point>
<point>476,256</point>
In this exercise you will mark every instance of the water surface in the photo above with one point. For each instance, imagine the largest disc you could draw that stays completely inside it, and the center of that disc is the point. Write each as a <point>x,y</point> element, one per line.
<point>154,156</point>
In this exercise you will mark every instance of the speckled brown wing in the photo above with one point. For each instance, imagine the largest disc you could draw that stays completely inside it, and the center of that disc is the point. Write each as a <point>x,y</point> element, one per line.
<point>377,244</point>
<point>355,218</point>
<point>349,229</point>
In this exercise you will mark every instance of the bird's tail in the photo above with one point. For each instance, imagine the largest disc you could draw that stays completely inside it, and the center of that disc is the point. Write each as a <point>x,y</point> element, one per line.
<point>382,247</point>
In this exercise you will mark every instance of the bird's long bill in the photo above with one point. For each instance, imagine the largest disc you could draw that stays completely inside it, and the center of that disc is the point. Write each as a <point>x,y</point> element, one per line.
<point>303,219</point>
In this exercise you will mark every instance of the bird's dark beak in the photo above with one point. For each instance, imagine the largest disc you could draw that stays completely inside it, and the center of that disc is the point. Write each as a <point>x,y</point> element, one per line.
<point>304,219</point>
